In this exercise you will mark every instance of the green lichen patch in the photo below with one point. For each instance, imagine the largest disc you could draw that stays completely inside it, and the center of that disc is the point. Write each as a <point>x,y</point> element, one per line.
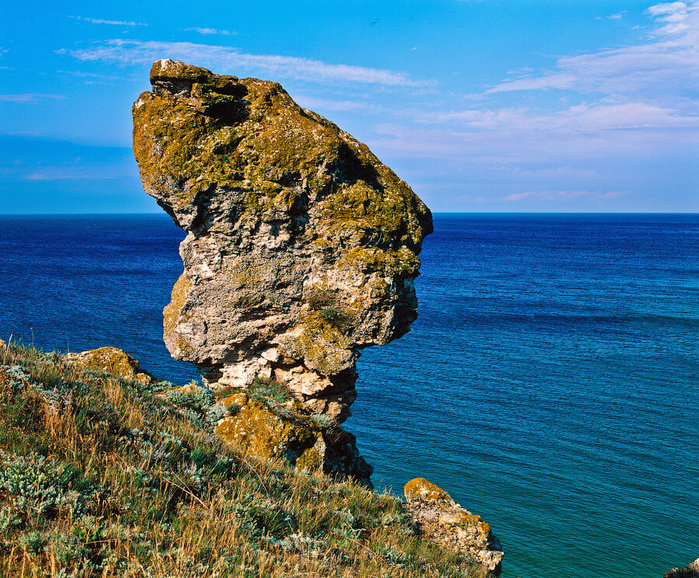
<point>310,459</point>
<point>401,262</point>
<point>199,131</point>
<point>323,344</point>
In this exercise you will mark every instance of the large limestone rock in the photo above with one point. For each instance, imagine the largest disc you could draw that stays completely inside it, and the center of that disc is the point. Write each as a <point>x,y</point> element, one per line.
<point>301,246</point>
<point>446,523</point>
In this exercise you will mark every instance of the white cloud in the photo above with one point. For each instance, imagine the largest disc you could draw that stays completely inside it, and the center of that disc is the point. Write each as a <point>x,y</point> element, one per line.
<point>663,70</point>
<point>224,58</point>
<point>110,22</point>
<point>586,117</point>
<point>630,102</point>
<point>320,104</point>
<point>583,134</point>
<point>29,98</point>
<point>558,195</point>
<point>212,31</point>
<point>91,77</point>
<point>75,173</point>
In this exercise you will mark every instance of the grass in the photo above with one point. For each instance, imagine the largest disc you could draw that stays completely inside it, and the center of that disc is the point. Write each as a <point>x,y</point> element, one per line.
<point>105,477</point>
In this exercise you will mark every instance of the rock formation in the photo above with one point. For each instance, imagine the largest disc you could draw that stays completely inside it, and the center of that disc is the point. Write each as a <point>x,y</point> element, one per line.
<point>301,246</point>
<point>446,523</point>
<point>110,360</point>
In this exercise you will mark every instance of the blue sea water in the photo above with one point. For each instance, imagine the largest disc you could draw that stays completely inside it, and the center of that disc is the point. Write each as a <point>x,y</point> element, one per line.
<point>550,383</point>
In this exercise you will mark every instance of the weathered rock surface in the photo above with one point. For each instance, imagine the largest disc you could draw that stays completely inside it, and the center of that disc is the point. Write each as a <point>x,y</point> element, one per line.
<point>301,246</point>
<point>288,431</point>
<point>110,360</point>
<point>689,571</point>
<point>446,523</point>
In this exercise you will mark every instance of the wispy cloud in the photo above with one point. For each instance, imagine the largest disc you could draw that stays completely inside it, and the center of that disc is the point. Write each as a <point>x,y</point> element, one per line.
<point>586,117</point>
<point>631,102</point>
<point>320,104</point>
<point>29,98</point>
<point>663,70</point>
<point>224,58</point>
<point>558,195</point>
<point>212,31</point>
<point>91,77</point>
<point>553,139</point>
<point>676,17</point>
<point>110,22</point>
<point>77,173</point>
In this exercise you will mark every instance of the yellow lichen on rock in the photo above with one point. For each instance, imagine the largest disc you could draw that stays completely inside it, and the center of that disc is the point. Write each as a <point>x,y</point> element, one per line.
<point>422,489</point>
<point>310,460</point>
<point>446,523</point>
<point>288,431</point>
<point>264,434</point>
<point>110,360</point>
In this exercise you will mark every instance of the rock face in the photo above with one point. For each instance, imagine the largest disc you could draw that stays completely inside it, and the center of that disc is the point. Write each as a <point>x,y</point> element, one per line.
<point>301,246</point>
<point>445,522</point>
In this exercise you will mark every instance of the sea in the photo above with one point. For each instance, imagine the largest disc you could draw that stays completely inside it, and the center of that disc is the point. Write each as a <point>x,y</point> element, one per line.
<point>550,383</point>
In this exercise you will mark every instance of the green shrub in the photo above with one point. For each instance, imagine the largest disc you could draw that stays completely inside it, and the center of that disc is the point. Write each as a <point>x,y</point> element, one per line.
<point>334,316</point>
<point>317,298</point>
<point>265,390</point>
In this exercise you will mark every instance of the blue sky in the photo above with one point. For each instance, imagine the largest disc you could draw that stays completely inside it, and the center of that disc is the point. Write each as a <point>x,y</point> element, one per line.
<point>480,105</point>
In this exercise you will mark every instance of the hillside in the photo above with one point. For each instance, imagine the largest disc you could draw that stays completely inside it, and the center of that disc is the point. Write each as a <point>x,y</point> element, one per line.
<point>112,477</point>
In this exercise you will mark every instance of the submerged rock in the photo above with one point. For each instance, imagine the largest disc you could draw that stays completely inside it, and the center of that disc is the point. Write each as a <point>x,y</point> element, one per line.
<point>689,571</point>
<point>446,523</point>
<point>110,360</point>
<point>301,246</point>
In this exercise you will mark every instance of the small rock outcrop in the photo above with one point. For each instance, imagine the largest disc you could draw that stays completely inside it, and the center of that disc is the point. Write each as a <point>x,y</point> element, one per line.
<point>446,523</point>
<point>110,360</point>
<point>689,571</point>
<point>287,430</point>
<point>301,246</point>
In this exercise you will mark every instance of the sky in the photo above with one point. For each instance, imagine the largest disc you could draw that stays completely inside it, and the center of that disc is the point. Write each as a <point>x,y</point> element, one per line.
<point>480,105</point>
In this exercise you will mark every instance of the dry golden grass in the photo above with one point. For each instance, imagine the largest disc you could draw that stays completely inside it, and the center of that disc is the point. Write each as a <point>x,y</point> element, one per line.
<point>104,477</point>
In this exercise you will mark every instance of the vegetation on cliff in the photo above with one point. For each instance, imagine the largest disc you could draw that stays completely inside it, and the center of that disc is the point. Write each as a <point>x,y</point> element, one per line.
<point>101,475</point>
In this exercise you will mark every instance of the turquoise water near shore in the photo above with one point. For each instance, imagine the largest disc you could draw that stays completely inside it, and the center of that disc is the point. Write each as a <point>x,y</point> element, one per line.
<point>549,384</point>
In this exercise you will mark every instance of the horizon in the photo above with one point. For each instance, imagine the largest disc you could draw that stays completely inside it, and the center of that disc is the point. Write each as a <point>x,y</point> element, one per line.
<point>434,213</point>
<point>505,106</point>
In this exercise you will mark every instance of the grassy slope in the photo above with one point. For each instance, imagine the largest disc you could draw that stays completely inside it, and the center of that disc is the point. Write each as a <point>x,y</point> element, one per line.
<point>100,476</point>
